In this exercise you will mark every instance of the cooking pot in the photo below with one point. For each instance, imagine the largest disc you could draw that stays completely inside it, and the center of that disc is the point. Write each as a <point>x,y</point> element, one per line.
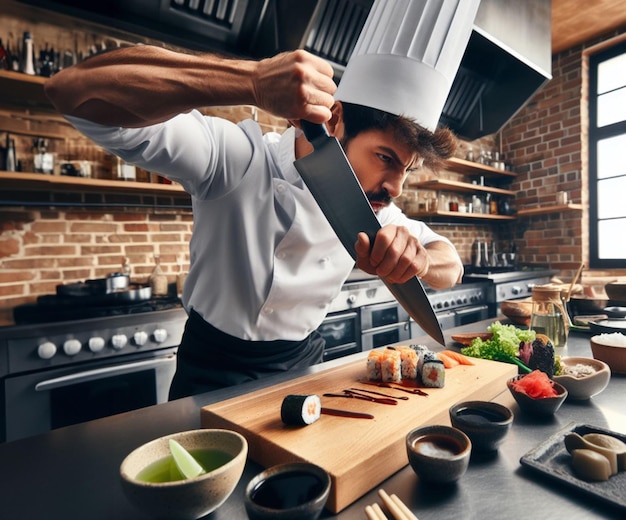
<point>117,282</point>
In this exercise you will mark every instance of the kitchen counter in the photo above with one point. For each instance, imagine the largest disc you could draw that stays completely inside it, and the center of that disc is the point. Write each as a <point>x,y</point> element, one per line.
<point>72,472</point>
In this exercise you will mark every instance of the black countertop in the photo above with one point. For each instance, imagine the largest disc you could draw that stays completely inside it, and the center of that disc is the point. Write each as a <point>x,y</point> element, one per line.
<point>72,473</point>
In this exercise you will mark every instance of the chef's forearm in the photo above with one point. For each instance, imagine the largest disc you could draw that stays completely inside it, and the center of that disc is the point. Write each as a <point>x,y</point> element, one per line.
<point>140,85</point>
<point>445,268</point>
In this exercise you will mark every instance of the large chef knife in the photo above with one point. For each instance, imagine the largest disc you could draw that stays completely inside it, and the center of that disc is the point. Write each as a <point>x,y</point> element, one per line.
<point>331,179</point>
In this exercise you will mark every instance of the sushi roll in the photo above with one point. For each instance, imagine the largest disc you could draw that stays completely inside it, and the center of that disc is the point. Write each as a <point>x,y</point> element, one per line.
<point>424,356</point>
<point>300,410</point>
<point>409,359</point>
<point>391,366</point>
<point>433,373</point>
<point>373,369</point>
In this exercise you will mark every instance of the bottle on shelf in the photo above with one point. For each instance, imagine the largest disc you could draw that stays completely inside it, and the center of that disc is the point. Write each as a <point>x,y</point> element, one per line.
<point>4,57</point>
<point>10,162</point>
<point>28,62</point>
<point>158,279</point>
<point>42,159</point>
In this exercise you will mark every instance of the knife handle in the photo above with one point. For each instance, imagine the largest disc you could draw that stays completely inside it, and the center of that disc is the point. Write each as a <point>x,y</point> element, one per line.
<point>313,131</point>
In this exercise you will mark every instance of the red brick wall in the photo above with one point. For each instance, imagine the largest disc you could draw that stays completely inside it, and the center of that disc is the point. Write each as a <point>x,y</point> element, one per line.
<point>548,140</point>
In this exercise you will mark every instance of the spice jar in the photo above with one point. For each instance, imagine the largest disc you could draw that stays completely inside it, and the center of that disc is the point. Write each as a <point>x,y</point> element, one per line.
<point>548,315</point>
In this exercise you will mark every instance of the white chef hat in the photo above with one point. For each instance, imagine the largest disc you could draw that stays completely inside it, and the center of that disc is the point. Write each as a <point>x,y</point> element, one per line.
<point>407,56</point>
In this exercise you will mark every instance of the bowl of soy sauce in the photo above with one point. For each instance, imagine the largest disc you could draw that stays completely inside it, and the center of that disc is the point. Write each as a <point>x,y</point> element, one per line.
<point>293,490</point>
<point>484,422</point>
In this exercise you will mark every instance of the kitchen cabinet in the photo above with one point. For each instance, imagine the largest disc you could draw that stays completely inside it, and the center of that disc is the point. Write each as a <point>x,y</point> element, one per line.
<point>469,169</point>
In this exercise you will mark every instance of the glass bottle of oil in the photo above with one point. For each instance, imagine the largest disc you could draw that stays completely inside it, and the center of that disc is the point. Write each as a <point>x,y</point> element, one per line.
<point>158,279</point>
<point>548,315</point>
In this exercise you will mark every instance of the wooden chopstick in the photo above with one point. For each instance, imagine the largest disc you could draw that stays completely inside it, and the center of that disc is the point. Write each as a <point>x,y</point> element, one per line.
<point>396,507</point>
<point>407,512</point>
<point>374,512</point>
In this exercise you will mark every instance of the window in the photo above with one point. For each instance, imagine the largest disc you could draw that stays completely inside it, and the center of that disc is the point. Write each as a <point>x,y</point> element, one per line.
<point>607,158</point>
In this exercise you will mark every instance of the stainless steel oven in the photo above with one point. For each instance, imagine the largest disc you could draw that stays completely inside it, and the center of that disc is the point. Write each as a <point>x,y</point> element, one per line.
<point>64,373</point>
<point>342,333</point>
<point>384,324</point>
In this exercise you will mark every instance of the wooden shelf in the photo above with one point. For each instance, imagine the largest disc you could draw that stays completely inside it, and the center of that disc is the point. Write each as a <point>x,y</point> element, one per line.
<point>461,215</point>
<point>472,168</point>
<point>38,181</point>
<point>457,186</point>
<point>23,90</point>
<point>544,210</point>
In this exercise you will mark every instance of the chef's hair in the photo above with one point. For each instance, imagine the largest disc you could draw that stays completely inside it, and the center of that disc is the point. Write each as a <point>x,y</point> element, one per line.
<point>433,147</point>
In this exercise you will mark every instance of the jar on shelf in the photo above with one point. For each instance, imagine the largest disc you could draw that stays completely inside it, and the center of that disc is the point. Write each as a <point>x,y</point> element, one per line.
<point>548,315</point>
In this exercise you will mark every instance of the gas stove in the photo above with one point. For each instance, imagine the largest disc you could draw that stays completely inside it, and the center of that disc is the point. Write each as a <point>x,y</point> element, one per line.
<point>509,282</point>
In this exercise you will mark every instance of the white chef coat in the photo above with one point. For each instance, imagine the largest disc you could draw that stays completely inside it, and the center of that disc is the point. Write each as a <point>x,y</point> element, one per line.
<point>265,263</point>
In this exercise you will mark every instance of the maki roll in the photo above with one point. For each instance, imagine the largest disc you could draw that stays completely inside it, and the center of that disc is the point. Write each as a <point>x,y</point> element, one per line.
<point>300,410</point>
<point>373,369</point>
<point>433,373</point>
<point>409,359</point>
<point>391,366</point>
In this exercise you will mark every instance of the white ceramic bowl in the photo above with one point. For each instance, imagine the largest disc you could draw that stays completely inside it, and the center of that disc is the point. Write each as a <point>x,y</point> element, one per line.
<point>186,499</point>
<point>584,387</point>
<point>613,355</point>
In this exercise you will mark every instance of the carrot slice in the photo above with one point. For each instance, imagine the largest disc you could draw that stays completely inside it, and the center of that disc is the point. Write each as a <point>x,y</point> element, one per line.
<point>461,358</point>
<point>448,362</point>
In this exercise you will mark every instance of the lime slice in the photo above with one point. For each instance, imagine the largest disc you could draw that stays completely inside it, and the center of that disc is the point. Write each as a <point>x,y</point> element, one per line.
<point>187,465</point>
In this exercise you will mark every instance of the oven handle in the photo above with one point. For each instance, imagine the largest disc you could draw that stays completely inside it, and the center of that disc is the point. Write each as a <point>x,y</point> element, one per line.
<point>100,373</point>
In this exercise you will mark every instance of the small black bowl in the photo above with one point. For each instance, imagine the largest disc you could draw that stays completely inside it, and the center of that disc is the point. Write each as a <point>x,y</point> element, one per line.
<point>484,422</point>
<point>294,490</point>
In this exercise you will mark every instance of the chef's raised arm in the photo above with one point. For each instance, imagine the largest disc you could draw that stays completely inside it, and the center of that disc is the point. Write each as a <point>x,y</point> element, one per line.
<point>141,85</point>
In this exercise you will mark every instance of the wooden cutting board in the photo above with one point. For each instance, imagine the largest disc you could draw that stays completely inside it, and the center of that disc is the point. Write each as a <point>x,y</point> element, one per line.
<point>357,453</point>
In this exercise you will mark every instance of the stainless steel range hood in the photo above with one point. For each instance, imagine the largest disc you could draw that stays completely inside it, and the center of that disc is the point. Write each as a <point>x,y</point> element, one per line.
<point>508,57</point>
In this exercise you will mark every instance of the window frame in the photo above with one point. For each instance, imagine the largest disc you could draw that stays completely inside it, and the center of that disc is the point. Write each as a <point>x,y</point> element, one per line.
<point>594,136</point>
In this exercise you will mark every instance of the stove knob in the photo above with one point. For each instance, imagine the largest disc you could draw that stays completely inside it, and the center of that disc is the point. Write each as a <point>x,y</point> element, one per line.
<point>140,338</point>
<point>516,289</point>
<point>351,299</point>
<point>72,347</point>
<point>95,344</point>
<point>119,341</point>
<point>46,350</point>
<point>160,335</point>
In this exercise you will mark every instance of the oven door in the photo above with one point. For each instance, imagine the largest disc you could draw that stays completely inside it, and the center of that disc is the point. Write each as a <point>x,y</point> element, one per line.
<point>52,398</point>
<point>341,333</point>
<point>473,314</point>
<point>381,336</point>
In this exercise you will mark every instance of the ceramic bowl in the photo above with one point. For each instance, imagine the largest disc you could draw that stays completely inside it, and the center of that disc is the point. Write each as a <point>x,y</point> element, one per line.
<point>437,453</point>
<point>485,423</point>
<point>616,291</point>
<point>518,311</point>
<point>294,490</point>
<point>186,499</point>
<point>542,406</point>
<point>610,348</point>
<point>583,386</point>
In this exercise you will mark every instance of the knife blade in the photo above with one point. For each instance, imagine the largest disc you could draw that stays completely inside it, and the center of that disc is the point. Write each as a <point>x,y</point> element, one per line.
<point>336,189</point>
<point>346,413</point>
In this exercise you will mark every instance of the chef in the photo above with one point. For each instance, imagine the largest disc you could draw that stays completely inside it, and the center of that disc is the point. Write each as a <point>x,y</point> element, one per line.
<point>264,262</point>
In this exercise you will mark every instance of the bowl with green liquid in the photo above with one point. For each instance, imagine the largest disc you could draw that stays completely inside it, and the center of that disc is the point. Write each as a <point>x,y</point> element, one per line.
<point>187,483</point>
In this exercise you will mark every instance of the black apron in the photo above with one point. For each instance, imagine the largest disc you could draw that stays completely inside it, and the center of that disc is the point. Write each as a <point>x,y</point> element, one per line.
<point>209,359</point>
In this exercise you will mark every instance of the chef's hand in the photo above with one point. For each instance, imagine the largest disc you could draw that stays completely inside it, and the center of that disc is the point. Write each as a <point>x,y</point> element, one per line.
<point>295,85</point>
<point>396,255</point>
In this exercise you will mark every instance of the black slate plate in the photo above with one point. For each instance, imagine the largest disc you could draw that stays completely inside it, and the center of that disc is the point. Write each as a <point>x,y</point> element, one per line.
<point>552,459</point>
